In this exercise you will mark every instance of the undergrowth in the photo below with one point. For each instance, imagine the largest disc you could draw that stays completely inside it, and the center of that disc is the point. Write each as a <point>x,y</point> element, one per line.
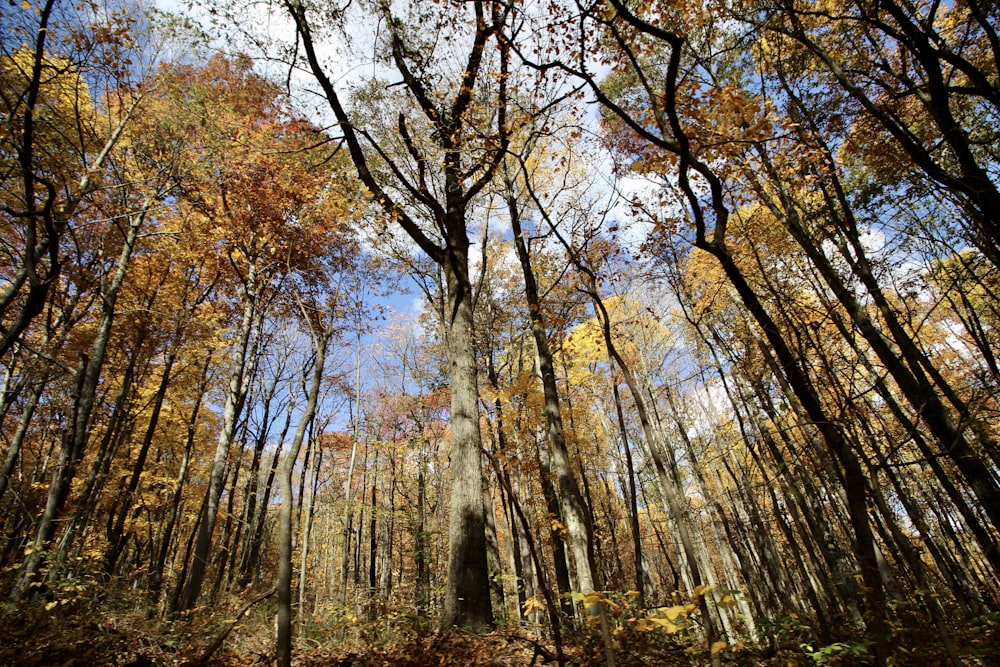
<point>116,629</point>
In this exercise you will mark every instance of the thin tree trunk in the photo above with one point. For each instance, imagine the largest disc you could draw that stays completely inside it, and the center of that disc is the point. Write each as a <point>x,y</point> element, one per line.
<point>854,480</point>
<point>14,450</point>
<point>257,543</point>
<point>553,518</point>
<point>250,501</point>
<point>156,577</point>
<point>633,499</point>
<point>127,500</point>
<point>234,402</point>
<point>543,584</point>
<point>74,441</point>
<point>673,504</point>
<point>306,534</point>
<point>578,526</point>
<point>349,484</point>
<point>284,585</point>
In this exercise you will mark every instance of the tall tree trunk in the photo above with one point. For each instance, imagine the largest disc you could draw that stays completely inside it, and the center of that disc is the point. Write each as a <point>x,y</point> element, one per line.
<point>14,450</point>
<point>284,585</point>
<point>553,518</point>
<point>670,493</point>
<point>156,576</point>
<point>307,531</point>
<point>127,500</point>
<point>854,480</point>
<point>349,483</point>
<point>373,516</point>
<point>74,441</point>
<point>578,526</point>
<point>467,596</point>
<point>421,546</point>
<point>234,403</point>
<point>257,541</point>
<point>633,500</point>
<point>252,497</point>
<point>467,593</point>
<point>543,584</point>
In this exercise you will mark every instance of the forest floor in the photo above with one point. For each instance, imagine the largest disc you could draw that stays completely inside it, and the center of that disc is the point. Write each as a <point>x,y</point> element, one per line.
<point>113,633</point>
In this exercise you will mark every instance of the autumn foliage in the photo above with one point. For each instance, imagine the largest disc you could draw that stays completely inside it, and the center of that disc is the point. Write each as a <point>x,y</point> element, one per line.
<point>621,333</point>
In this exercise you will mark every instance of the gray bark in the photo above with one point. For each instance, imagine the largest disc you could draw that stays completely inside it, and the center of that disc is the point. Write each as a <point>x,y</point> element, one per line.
<point>571,506</point>
<point>234,403</point>
<point>284,584</point>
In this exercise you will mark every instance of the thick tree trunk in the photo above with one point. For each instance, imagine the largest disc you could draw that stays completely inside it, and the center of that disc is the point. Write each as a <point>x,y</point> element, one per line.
<point>463,174</point>
<point>467,596</point>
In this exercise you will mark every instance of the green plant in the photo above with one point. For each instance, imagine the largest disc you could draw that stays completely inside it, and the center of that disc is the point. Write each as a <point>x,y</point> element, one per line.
<point>837,653</point>
<point>785,627</point>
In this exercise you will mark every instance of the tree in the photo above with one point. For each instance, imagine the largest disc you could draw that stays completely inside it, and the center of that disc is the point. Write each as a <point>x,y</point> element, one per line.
<point>58,153</point>
<point>919,73</point>
<point>321,333</point>
<point>54,147</point>
<point>654,114</point>
<point>452,159</point>
<point>262,206</point>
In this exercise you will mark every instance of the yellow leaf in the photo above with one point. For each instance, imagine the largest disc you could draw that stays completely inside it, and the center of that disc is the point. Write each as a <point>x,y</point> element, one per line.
<point>644,625</point>
<point>533,604</point>
<point>669,626</point>
<point>701,590</point>
<point>50,605</point>
<point>727,601</point>
<point>25,5</point>
<point>671,613</point>
<point>719,647</point>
